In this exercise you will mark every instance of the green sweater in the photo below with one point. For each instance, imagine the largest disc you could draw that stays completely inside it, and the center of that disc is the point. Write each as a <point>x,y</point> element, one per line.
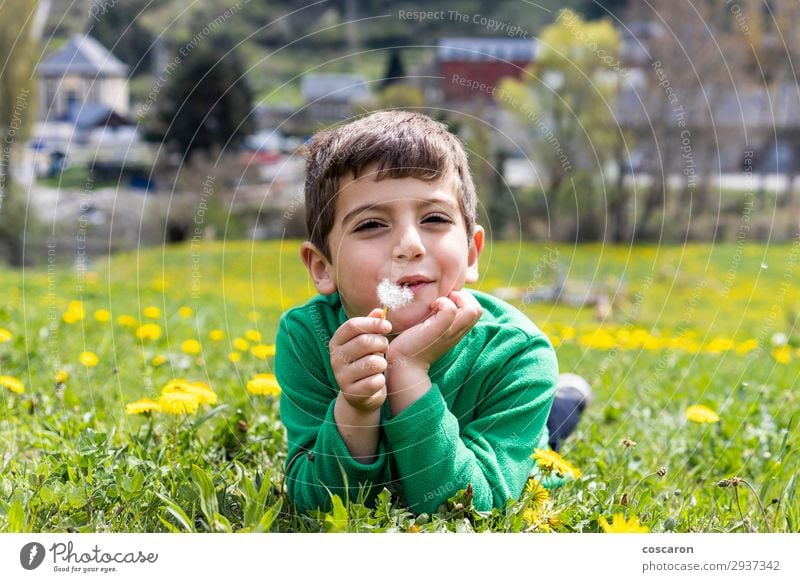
<point>479,423</point>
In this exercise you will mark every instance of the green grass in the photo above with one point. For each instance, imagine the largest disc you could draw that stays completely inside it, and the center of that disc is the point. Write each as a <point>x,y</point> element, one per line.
<point>76,178</point>
<point>74,461</point>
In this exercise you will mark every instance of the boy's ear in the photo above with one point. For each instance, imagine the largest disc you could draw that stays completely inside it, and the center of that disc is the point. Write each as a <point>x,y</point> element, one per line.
<point>475,248</point>
<point>319,268</point>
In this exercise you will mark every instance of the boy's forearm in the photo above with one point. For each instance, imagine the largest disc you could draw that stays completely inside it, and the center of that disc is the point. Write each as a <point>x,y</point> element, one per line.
<point>360,431</point>
<point>405,384</point>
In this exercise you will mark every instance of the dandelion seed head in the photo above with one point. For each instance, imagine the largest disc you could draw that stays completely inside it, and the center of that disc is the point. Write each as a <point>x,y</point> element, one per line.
<point>394,296</point>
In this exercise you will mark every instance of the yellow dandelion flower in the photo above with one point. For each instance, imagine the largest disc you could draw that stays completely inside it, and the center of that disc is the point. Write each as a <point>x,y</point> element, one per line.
<point>12,384</point>
<point>599,340</point>
<point>782,355</point>
<point>200,391</point>
<point>191,346</point>
<point>5,335</point>
<point>127,321</point>
<point>537,493</point>
<point>216,335</point>
<point>143,406</point>
<point>88,359</point>
<point>620,525</point>
<point>241,344</point>
<point>263,351</point>
<point>253,335</point>
<point>176,385</point>
<point>74,312</point>
<point>530,516</point>
<point>701,414</point>
<point>203,393</point>
<point>264,385</point>
<point>542,519</point>
<point>158,360</point>
<point>148,331</point>
<point>61,376</point>
<point>152,312</point>
<point>178,403</point>
<point>234,357</point>
<point>746,346</point>
<point>102,315</point>
<point>719,345</point>
<point>254,316</point>
<point>552,461</point>
<point>185,311</point>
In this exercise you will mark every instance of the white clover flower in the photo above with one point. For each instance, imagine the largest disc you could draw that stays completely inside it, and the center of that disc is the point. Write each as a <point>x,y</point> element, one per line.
<point>779,339</point>
<point>394,296</point>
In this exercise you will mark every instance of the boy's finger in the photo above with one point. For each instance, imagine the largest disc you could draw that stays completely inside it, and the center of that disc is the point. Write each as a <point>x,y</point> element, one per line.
<point>463,299</point>
<point>367,387</point>
<point>358,325</point>
<point>469,311</point>
<point>444,313</point>
<point>368,366</point>
<point>366,343</point>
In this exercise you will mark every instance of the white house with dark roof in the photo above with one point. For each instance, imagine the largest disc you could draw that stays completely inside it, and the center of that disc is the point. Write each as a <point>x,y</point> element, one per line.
<point>83,73</point>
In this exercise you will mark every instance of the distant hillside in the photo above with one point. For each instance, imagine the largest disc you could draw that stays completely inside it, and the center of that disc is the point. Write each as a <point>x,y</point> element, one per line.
<point>130,28</point>
<point>280,40</point>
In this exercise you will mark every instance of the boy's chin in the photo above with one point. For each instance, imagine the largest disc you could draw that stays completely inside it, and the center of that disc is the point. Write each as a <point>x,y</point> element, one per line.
<point>407,317</point>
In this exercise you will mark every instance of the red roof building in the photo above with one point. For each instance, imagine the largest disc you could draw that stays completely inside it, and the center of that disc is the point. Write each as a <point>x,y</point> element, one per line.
<point>472,68</point>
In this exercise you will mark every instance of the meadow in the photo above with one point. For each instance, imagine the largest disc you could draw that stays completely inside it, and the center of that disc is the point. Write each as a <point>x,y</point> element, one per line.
<point>137,394</point>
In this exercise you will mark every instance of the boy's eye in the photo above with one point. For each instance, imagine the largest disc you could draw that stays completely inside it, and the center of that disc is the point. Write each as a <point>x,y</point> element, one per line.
<point>368,225</point>
<point>440,218</point>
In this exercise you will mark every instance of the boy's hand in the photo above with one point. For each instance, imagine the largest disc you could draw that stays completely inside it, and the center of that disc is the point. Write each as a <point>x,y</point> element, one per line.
<point>420,346</point>
<point>357,358</point>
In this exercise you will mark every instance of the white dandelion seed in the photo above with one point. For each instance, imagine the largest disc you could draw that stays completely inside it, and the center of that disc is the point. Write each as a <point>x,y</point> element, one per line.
<point>393,296</point>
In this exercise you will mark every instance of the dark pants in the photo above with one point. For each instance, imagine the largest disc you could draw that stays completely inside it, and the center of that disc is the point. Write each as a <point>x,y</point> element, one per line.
<point>563,419</point>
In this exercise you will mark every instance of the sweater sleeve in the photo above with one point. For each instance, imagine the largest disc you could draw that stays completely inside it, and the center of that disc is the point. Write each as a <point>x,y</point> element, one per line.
<point>318,460</point>
<point>435,457</point>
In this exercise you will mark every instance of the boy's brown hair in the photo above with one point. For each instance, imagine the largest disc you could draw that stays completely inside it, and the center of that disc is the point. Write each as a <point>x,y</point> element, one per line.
<point>403,144</point>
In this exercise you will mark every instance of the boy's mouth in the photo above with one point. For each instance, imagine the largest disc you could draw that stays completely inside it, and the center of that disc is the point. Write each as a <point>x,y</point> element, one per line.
<point>414,282</point>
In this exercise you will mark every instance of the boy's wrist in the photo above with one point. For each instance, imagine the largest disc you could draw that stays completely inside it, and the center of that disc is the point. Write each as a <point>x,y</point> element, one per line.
<point>405,385</point>
<point>358,429</point>
<point>353,416</point>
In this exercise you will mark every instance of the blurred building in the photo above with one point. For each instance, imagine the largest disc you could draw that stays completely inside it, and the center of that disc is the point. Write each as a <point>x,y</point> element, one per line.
<point>82,73</point>
<point>331,97</point>
<point>472,67</point>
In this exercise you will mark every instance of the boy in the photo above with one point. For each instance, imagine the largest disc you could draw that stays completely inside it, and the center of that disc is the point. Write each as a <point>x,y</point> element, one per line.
<point>450,390</point>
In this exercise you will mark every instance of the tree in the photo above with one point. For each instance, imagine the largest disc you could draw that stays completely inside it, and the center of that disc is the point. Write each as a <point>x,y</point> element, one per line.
<point>17,54</point>
<point>568,102</point>
<point>773,61</point>
<point>206,103</point>
<point>395,70</point>
<point>122,29</point>
<point>694,76</point>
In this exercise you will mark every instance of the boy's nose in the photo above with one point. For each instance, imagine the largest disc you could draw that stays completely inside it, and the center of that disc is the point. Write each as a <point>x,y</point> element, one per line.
<point>409,245</point>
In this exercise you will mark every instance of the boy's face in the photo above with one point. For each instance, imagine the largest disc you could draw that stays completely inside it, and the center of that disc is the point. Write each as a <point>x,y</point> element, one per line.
<point>406,230</point>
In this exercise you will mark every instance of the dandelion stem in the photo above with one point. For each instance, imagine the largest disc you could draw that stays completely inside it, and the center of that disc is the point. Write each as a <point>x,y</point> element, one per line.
<point>761,505</point>
<point>741,513</point>
<point>639,482</point>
